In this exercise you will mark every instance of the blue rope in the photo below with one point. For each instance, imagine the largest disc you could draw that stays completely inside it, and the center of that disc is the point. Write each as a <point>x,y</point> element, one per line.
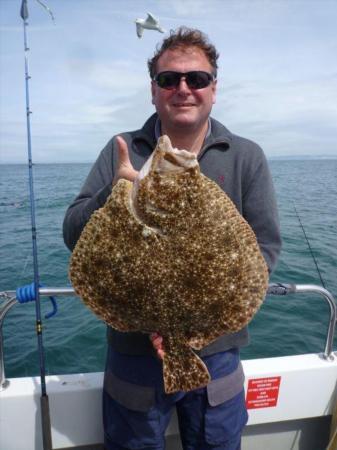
<point>26,294</point>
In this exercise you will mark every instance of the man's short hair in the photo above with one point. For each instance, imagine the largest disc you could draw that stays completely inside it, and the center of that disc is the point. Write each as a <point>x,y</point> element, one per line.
<point>182,38</point>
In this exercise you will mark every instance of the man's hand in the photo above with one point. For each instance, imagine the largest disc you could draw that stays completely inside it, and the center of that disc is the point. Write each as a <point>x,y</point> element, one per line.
<point>124,167</point>
<point>157,342</point>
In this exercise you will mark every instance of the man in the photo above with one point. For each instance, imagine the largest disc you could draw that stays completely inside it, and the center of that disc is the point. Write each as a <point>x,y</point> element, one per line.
<point>136,409</point>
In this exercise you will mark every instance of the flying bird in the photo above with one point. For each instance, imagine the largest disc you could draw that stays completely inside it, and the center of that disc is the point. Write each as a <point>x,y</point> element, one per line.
<point>150,23</point>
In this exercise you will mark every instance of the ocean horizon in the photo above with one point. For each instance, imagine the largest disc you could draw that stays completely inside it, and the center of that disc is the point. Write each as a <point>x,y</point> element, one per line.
<point>269,158</point>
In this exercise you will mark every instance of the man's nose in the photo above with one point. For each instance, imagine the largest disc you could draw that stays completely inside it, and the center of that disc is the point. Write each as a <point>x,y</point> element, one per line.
<point>183,86</point>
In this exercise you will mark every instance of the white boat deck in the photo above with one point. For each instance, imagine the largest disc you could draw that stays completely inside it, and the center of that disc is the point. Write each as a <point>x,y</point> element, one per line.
<point>290,401</point>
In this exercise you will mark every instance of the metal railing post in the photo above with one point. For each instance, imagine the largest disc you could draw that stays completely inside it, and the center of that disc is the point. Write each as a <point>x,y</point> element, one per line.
<point>5,308</point>
<point>328,350</point>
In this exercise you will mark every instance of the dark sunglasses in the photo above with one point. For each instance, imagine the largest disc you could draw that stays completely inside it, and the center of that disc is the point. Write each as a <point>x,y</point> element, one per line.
<point>196,79</point>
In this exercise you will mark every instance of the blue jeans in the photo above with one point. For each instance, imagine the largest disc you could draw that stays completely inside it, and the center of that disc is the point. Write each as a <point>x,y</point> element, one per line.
<point>136,410</point>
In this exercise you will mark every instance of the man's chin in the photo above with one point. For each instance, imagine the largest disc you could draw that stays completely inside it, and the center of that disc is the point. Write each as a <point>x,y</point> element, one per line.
<point>182,120</point>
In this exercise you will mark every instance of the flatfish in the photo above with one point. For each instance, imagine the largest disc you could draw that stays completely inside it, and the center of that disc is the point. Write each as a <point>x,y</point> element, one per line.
<point>170,253</point>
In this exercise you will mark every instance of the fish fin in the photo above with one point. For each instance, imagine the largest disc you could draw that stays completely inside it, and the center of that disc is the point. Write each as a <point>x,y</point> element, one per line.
<point>198,342</point>
<point>183,370</point>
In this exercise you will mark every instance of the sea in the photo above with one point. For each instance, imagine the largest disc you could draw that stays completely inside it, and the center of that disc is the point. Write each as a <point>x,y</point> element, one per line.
<point>74,339</point>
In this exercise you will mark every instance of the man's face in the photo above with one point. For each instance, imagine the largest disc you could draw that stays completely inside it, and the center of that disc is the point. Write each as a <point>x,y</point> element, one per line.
<point>182,107</point>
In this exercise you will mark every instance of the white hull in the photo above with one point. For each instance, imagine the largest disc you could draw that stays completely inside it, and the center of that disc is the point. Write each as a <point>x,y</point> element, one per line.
<point>295,412</point>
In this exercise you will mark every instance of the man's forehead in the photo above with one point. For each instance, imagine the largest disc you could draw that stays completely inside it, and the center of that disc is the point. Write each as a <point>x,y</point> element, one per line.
<point>183,51</point>
<point>183,54</point>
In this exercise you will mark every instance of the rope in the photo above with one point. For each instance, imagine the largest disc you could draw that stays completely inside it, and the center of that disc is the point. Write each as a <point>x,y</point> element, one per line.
<point>309,246</point>
<point>26,294</point>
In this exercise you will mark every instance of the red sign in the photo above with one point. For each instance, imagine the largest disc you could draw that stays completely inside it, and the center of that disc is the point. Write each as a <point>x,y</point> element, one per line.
<point>263,392</point>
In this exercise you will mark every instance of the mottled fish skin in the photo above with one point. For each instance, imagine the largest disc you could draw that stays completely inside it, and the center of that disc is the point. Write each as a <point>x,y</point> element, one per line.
<point>179,260</point>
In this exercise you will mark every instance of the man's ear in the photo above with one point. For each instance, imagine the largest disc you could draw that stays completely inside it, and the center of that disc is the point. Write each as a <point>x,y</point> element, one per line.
<point>153,91</point>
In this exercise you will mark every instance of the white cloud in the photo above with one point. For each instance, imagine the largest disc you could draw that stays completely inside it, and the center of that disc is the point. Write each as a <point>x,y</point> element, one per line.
<point>117,76</point>
<point>286,117</point>
<point>191,8</point>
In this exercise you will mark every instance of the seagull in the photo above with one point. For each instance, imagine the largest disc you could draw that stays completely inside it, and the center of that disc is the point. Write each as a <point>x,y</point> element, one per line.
<point>150,23</point>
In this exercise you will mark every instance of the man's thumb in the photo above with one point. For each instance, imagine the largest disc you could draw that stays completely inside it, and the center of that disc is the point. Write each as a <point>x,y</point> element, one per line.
<point>123,152</point>
<point>124,167</point>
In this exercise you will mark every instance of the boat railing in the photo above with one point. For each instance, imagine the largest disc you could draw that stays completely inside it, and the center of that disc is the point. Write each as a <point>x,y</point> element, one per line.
<point>10,300</point>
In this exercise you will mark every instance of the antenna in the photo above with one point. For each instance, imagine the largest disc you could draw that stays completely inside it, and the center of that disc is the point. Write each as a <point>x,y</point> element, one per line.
<point>45,415</point>
<point>310,249</point>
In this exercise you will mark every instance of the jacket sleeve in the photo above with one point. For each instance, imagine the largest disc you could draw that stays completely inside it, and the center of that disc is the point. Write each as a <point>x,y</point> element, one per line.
<point>259,208</point>
<point>92,196</point>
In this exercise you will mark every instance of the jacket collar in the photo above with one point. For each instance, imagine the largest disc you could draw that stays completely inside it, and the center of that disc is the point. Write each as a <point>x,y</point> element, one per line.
<point>219,135</point>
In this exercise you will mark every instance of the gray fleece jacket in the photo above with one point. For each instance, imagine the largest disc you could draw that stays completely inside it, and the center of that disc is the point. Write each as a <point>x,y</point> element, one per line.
<point>236,164</point>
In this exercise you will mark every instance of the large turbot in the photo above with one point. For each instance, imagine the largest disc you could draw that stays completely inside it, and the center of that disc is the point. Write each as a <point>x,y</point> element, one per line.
<point>171,254</point>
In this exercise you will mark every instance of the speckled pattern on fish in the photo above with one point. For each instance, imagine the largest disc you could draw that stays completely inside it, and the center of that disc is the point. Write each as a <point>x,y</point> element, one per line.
<point>170,253</point>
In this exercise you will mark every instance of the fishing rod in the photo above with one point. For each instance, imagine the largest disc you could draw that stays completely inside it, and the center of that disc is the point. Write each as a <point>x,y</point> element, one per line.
<point>309,246</point>
<point>44,401</point>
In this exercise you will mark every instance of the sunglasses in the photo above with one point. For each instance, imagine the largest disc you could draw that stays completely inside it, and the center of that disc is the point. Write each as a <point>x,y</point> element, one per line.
<point>196,79</point>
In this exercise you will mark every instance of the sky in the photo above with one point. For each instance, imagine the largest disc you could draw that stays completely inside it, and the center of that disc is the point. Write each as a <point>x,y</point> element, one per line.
<point>277,79</point>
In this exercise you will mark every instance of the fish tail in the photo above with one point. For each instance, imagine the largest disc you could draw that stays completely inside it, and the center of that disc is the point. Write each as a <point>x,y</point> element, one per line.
<point>183,370</point>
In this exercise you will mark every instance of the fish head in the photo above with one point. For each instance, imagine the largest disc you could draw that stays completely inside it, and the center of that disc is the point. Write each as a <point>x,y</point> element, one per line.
<point>165,185</point>
<point>167,160</point>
